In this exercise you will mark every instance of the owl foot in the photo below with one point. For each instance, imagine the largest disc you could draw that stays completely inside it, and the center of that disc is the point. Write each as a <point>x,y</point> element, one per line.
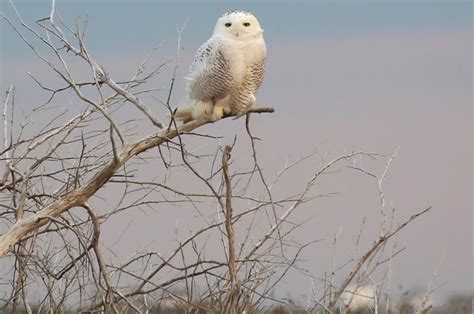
<point>220,112</point>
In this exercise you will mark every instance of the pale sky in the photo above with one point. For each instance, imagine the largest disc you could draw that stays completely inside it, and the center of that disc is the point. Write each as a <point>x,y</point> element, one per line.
<point>342,76</point>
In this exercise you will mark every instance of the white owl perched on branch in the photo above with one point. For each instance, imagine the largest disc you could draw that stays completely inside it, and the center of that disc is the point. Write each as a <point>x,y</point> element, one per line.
<point>227,69</point>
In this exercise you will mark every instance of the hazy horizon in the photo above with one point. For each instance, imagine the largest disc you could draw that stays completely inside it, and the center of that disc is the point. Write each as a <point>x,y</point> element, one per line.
<point>342,76</point>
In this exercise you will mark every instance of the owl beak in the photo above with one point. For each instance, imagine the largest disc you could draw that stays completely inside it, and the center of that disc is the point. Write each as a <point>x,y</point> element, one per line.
<point>237,33</point>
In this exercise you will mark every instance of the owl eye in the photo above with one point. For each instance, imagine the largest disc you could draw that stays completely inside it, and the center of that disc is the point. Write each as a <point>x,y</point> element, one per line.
<point>228,24</point>
<point>246,24</point>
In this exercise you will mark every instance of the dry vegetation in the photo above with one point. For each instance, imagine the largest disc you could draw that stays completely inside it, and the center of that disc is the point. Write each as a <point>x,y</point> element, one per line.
<point>60,184</point>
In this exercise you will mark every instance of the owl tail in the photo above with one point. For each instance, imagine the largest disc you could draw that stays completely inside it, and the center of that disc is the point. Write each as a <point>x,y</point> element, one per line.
<point>196,111</point>
<point>184,114</point>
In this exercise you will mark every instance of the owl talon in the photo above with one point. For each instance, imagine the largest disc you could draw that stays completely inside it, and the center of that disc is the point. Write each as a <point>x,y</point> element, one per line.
<point>220,112</point>
<point>226,115</point>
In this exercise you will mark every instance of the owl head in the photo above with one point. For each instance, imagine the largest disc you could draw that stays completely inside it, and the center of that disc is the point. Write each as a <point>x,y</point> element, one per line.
<point>238,24</point>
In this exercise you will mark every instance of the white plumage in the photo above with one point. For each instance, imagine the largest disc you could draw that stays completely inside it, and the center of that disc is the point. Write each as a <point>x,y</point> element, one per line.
<point>227,69</point>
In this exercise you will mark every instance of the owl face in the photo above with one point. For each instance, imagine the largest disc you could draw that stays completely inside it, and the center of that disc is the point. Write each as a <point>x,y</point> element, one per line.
<point>238,24</point>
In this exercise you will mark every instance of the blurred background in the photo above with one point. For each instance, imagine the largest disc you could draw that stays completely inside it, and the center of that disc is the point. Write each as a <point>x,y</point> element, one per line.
<point>342,76</point>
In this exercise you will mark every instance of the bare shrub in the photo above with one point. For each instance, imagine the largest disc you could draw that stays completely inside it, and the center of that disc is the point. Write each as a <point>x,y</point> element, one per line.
<point>62,182</point>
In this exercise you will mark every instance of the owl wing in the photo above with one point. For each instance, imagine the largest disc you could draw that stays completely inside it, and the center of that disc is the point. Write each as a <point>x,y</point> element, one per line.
<point>209,75</point>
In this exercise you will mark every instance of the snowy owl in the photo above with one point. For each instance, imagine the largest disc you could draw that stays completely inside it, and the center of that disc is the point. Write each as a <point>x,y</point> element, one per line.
<point>227,69</point>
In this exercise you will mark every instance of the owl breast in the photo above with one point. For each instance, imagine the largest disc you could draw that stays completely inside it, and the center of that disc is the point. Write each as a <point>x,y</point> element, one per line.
<point>248,67</point>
